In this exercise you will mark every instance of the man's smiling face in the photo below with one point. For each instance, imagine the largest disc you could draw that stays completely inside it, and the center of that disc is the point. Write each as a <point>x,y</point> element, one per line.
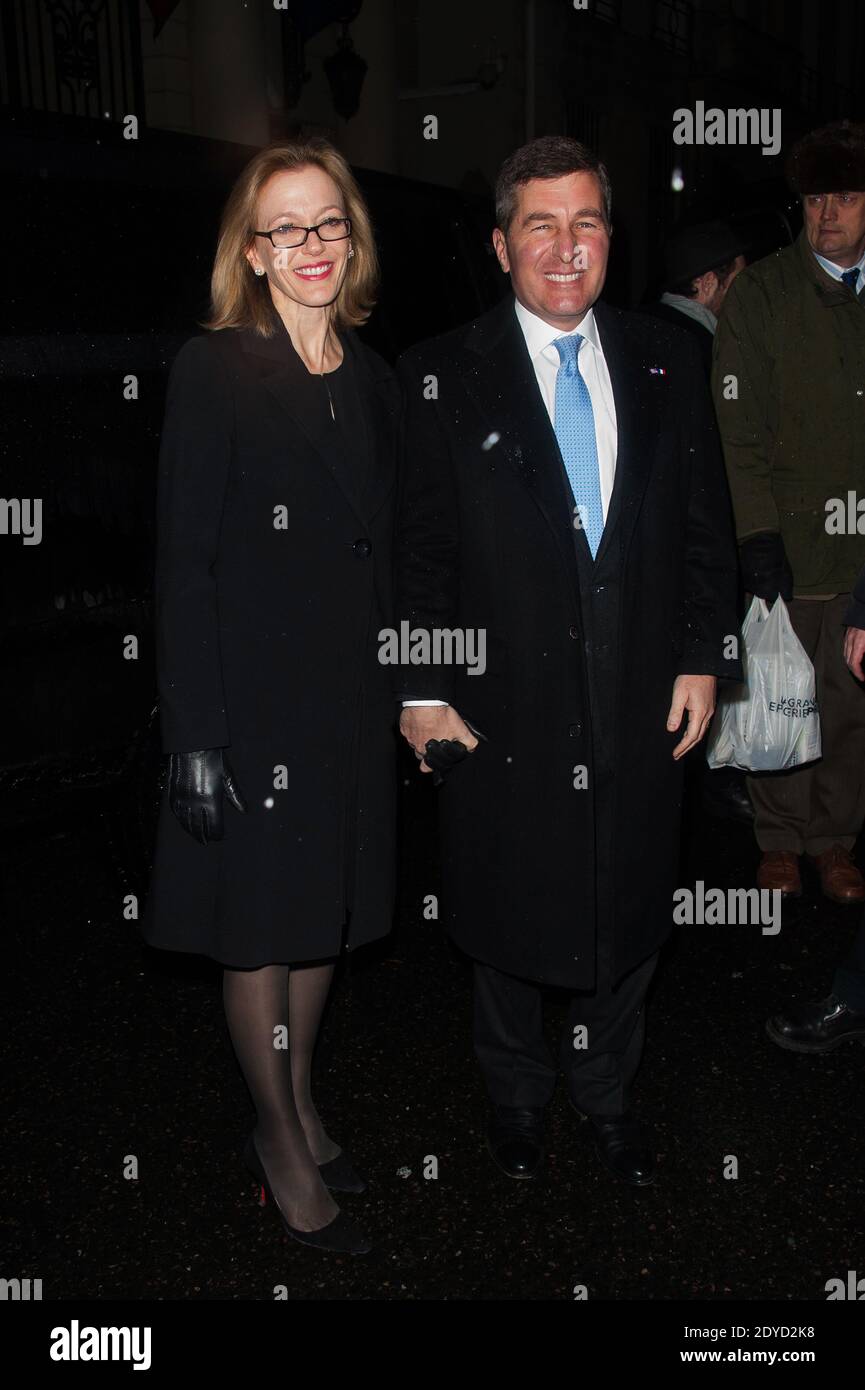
<point>556,247</point>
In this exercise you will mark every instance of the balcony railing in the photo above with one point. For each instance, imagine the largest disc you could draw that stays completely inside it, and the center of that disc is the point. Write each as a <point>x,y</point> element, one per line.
<point>72,58</point>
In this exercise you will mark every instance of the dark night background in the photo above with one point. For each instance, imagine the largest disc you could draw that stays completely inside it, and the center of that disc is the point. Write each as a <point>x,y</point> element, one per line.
<point>111,1049</point>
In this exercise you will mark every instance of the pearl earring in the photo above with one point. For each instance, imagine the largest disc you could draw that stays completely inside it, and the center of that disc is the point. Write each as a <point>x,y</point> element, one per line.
<point>350,252</point>
<point>258,270</point>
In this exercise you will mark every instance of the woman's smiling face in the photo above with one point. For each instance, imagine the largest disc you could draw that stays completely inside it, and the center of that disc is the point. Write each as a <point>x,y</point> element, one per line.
<point>311,274</point>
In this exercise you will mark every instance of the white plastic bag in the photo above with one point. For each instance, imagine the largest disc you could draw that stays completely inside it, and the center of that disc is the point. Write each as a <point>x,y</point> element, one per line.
<point>772,721</point>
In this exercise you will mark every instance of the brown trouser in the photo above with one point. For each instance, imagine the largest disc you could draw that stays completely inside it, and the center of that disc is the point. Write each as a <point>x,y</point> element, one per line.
<point>822,804</point>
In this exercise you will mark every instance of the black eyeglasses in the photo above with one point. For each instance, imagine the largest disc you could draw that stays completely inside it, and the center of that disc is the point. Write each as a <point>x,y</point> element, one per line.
<point>331,229</point>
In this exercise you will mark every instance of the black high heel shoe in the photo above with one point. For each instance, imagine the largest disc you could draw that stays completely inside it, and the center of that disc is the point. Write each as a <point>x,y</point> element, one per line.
<point>340,1234</point>
<point>340,1176</point>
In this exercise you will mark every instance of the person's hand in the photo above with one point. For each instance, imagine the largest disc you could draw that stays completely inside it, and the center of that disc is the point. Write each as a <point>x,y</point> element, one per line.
<point>766,570</point>
<point>854,650</point>
<point>696,694</point>
<point>420,723</point>
<point>196,786</point>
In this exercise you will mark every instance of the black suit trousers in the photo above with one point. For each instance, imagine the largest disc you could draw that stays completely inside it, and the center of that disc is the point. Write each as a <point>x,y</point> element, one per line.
<point>516,1063</point>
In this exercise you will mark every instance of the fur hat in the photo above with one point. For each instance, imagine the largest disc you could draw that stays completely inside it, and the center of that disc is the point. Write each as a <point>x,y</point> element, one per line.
<point>828,160</point>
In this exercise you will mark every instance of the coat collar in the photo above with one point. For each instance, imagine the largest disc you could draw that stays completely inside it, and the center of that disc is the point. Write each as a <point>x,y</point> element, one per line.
<point>501,378</point>
<point>284,374</point>
<point>829,291</point>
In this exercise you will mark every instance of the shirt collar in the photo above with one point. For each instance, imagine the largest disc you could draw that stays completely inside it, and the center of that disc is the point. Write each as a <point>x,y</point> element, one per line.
<point>836,271</point>
<point>700,313</point>
<point>538,333</point>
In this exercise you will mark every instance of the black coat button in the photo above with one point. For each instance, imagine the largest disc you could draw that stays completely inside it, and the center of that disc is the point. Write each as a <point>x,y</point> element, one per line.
<point>573,630</point>
<point>362,547</point>
<point>575,730</point>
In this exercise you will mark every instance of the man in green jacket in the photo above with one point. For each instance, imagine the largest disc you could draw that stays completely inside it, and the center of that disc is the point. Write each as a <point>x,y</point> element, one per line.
<point>788,379</point>
<point>824,1024</point>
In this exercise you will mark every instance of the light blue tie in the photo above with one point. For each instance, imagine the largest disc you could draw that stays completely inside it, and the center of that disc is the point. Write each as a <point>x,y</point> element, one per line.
<point>575,431</point>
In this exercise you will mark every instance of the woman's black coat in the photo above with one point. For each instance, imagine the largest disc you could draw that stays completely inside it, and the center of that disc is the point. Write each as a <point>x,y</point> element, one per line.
<point>273,579</point>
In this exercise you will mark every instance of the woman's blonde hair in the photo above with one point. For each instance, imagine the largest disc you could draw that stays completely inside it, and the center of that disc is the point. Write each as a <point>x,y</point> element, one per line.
<point>241,299</point>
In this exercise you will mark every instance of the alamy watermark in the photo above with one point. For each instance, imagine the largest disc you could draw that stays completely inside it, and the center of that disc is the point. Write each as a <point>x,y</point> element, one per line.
<point>77,1343</point>
<point>845,516</point>
<point>730,907</point>
<point>21,516</point>
<point>437,646</point>
<point>738,126</point>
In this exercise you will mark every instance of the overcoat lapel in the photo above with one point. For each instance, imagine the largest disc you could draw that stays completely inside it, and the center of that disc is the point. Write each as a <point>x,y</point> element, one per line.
<point>286,377</point>
<point>380,398</point>
<point>635,398</point>
<point>500,377</point>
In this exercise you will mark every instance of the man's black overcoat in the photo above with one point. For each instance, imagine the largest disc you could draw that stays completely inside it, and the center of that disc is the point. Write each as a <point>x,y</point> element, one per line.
<point>267,645</point>
<point>581,655</point>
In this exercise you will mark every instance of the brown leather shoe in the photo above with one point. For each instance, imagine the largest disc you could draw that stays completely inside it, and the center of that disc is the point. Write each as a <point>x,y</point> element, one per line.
<point>839,878</point>
<point>779,872</point>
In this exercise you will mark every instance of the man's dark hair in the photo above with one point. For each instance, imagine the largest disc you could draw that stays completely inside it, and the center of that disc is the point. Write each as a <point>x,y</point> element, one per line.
<point>687,289</point>
<point>549,157</point>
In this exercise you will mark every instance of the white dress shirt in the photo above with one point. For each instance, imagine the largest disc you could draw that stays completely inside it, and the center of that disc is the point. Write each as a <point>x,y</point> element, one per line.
<point>836,271</point>
<point>539,336</point>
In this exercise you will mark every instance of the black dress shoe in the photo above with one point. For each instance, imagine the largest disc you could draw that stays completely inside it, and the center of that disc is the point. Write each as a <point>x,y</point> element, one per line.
<point>339,1235</point>
<point>622,1144</point>
<point>515,1139</point>
<point>818,1027</point>
<point>340,1174</point>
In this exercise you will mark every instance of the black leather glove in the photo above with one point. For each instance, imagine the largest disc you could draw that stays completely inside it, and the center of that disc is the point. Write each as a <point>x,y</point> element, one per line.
<point>442,754</point>
<point>766,570</point>
<point>196,785</point>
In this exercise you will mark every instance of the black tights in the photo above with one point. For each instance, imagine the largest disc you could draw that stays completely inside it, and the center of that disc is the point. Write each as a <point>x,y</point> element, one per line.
<point>273,1016</point>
